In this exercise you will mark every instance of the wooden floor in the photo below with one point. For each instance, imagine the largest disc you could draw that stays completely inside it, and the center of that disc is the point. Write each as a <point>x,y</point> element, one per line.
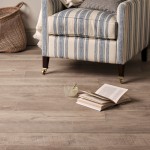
<point>35,114</point>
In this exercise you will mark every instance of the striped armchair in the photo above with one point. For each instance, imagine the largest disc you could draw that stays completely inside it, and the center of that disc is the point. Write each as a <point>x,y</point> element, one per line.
<point>92,35</point>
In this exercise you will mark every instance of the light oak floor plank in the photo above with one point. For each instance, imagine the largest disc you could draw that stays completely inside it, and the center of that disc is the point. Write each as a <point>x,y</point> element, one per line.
<point>35,114</point>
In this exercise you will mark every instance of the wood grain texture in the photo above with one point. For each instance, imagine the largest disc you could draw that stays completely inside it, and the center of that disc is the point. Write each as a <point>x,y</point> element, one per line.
<point>35,114</point>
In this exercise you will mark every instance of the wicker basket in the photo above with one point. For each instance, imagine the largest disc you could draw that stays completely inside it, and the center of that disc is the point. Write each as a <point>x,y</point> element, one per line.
<point>12,31</point>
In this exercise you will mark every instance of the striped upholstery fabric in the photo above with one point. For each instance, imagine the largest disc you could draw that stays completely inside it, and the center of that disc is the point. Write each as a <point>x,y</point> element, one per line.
<point>49,7</point>
<point>133,35</point>
<point>84,23</point>
<point>87,49</point>
<point>56,6</point>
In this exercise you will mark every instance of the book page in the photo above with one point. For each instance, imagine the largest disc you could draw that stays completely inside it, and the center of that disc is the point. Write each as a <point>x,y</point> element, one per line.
<point>93,99</point>
<point>95,95</point>
<point>111,92</point>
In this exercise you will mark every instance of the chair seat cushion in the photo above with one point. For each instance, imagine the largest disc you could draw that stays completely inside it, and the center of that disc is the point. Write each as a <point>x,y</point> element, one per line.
<point>84,23</point>
<point>87,49</point>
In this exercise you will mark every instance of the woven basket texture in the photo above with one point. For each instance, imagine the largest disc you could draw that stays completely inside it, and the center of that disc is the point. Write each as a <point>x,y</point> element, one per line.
<point>12,31</point>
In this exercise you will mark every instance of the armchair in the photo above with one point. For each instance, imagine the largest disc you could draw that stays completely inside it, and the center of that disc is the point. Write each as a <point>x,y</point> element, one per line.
<point>92,35</point>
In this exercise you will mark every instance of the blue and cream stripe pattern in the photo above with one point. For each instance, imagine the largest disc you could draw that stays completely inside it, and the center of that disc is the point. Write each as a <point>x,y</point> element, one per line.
<point>49,7</point>
<point>96,45</point>
<point>57,6</point>
<point>84,23</point>
<point>133,32</point>
<point>88,49</point>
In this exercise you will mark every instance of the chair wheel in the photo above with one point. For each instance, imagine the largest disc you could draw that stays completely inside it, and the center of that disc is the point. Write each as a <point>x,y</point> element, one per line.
<point>44,71</point>
<point>121,80</point>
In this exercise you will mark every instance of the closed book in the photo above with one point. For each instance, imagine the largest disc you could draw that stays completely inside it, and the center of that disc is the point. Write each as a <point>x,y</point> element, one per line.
<point>93,105</point>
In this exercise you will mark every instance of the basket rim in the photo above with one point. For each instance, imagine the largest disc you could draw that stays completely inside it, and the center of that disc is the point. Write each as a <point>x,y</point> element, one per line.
<point>14,11</point>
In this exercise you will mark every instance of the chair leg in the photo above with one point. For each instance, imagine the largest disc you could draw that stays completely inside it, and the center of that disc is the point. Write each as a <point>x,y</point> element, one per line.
<point>121,70</point>
<point>45,64</point>
<point>144,55</point>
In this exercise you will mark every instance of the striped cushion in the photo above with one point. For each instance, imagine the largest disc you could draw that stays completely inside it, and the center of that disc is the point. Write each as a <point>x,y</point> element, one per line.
<point>103,5</point>
<point>84,23</point>
<point>87,49</point>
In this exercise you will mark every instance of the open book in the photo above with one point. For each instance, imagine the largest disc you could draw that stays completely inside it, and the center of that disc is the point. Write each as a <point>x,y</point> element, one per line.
<point>106,96</point>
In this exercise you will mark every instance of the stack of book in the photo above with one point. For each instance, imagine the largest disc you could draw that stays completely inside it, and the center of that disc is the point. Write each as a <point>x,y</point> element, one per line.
<point>105,97</point>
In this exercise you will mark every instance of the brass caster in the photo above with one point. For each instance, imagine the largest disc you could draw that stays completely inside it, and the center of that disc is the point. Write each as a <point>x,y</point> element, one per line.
<point>44,71</point>
<point>121,79</point>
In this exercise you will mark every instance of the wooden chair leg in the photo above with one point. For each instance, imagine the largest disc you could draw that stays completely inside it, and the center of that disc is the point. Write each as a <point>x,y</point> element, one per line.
<point>144,55</point>
<point>45,64</point>
<point>121,70</point>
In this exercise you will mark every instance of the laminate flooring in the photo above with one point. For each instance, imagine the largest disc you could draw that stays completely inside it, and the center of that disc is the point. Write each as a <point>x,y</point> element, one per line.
<point>35,114</point>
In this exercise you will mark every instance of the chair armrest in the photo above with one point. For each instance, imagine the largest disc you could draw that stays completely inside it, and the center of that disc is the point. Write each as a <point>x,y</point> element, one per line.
<point>49,7</point>
<point>133,28</point>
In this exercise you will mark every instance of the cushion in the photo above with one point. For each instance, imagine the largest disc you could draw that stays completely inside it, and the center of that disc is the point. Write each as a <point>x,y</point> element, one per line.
<point>70,3</point>
<point>97,50</point>
<point>83,23</point>
<point>103,5</point>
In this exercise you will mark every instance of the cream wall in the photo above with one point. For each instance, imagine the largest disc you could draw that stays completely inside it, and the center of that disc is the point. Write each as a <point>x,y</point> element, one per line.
<point>30,15</point>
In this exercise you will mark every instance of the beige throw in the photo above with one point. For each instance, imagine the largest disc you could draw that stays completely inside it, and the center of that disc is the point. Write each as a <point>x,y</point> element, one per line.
<point>69,3</point>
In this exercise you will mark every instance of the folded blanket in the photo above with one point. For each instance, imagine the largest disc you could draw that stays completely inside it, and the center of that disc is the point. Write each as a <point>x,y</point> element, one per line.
<point>38,35</point>
<point>69,3</point>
